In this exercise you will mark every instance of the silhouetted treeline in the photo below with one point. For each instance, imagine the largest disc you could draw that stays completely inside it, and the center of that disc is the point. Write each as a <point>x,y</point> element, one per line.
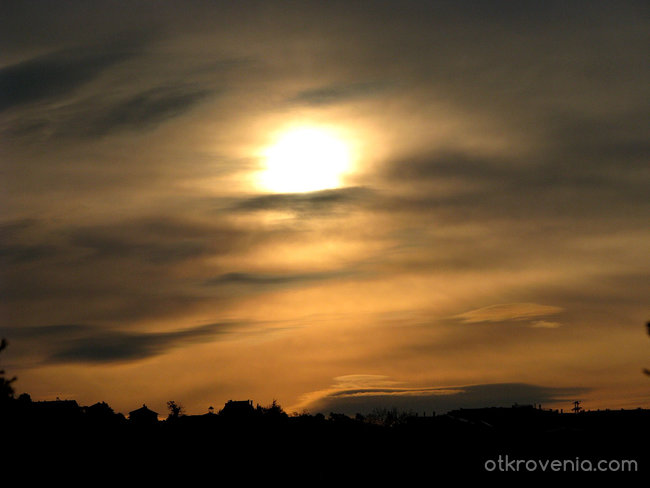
<point>245,439</point>
<point>459,440</point>
<point>6,390</point>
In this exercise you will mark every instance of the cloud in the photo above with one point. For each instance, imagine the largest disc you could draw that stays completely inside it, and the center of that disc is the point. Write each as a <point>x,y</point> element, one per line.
<point>545,324</point>
<point>363,380</point>
<point>15,247</point>
<point>539,185</point>
<point>508,311</point>
<point>19,253</point>
<point>339,93</point>
<point>80,343</point>
<point>116,271</point>
<point>57,74</point>
<point>319,202</point>
<point>147,109</point>
<point>96,116</point>
<point>439,399</point>
<point>12,227</point>
<point>157,240</point>
<point>267,279</point>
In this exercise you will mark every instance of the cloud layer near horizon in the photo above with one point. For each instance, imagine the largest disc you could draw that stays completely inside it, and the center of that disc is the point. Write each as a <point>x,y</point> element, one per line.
<point>364,394</point>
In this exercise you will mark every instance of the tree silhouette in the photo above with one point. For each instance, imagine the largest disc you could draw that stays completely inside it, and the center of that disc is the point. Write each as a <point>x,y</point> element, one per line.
<point>273,411</point>
<point>175,410</point>
<point>387,417</point>
<point>6,390</point>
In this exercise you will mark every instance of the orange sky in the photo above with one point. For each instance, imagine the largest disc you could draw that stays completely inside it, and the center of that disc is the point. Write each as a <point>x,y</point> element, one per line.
<point>456,213</point>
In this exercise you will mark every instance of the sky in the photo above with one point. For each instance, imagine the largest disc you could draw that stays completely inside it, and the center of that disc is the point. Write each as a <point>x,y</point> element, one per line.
<point>342,206</point>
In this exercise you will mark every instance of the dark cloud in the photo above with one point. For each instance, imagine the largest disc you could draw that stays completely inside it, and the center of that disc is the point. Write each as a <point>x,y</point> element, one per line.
<point>76,343</point>
<point>573,183</point>
<point>45,331</point>
<point>98,116</point>
<point>147,109</point>
<point>304,203</point>
<point>121,271</point>
<point>442,400</point>
<point>339,93</point>
<point>545,172</point>
<point>447,164</point>
<point>263,280</point>
<point>153,239</point>
<point>15,247</point>
<point>158,240</point>
<point>12,227</point>
<point>20,253</point>
<point>57,74</point>
<point>105,245</point>
<point>613,140</point>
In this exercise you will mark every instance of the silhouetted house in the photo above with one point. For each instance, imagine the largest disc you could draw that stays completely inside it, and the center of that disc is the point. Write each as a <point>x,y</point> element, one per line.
<point>238,409</point>
<point>99,409</point>
<point>62,410</point>
<point>57,405</point>
<point>143,416</point>
<point>102,413</point>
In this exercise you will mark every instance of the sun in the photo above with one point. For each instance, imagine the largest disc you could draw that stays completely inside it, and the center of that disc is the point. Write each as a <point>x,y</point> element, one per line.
<point>305,159</point>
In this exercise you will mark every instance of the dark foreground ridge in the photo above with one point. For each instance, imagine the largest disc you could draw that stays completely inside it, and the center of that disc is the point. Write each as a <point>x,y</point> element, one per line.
<point>251,441</point>
<point>45,441</point>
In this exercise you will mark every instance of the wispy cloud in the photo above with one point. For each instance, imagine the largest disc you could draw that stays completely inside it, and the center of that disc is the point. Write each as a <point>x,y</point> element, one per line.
<point>268,279</point>
<point>545,324</point>
<point>59,73</point>
<point>82,343</point>
<point>508,312</point>
<point>158,239</point>
<point>317,202</point>
<point>333,94</point>
<point>147,109</point>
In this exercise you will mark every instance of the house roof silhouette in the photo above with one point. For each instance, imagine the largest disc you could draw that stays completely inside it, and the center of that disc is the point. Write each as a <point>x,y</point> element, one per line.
<point>143,413</point>
<point>238,408</point>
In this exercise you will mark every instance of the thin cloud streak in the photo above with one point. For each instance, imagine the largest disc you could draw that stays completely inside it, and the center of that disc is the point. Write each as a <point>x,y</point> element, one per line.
<point>268,279</point>
<point>339,93</point>
<point>508,311</point>
<point>58,74</point>
<point>317,202</point>
<point>147,109</point>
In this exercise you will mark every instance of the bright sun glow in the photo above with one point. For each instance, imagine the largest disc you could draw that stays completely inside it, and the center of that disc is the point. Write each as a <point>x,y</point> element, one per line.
<point>303,160</point>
